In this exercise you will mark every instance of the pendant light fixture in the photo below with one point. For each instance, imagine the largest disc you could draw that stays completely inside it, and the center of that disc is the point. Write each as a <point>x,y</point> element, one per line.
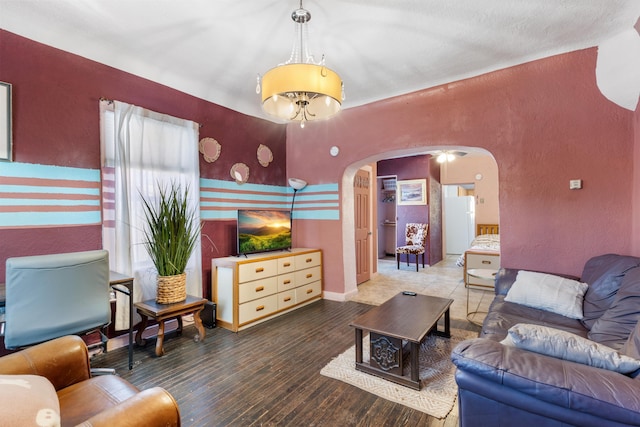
<point>301,90</point>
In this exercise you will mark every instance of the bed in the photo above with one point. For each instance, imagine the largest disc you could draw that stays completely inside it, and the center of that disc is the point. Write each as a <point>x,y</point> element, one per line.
<point>484,252</point>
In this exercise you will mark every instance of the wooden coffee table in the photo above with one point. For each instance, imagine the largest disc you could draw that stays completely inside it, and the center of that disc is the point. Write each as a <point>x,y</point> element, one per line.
<point>404,317</point>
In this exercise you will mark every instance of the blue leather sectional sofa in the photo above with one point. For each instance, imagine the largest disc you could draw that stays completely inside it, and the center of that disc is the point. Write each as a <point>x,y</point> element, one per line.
<point>503,385</point>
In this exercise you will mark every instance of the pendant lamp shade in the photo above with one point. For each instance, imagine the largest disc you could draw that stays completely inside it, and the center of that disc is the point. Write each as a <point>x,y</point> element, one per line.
<point>301,90</point>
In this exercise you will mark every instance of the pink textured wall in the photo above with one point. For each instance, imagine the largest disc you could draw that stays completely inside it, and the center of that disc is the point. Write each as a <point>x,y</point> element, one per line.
<point>545,122</point>
<point>56,122</point>
<point>635,231</point>
<point>636,185</point>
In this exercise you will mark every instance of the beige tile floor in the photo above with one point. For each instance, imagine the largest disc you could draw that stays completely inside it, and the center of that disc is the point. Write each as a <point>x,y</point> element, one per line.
<point>443,279</point>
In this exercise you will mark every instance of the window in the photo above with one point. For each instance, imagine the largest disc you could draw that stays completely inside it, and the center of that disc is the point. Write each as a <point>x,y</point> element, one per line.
<point>141,149</point>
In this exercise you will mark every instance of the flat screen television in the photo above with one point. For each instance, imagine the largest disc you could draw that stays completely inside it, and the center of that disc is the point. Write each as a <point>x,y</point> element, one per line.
<point>262,230</point>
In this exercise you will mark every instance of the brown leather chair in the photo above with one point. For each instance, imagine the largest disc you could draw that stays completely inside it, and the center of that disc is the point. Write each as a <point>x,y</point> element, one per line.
<point>105,400</point>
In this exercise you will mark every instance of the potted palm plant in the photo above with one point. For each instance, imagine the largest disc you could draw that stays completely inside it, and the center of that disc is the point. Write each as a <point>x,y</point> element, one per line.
<point>170,236</point>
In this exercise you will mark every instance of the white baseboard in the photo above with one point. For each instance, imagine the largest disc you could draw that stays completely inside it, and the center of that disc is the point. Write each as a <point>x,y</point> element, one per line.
<point>335,296</point>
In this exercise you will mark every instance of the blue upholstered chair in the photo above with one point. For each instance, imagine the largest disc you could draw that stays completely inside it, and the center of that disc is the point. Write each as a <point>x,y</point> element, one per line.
<point>416,241</point>
<point>49,296</point>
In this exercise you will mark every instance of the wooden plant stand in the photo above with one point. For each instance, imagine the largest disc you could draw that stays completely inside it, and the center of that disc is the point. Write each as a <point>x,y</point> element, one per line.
<point>150,309</point>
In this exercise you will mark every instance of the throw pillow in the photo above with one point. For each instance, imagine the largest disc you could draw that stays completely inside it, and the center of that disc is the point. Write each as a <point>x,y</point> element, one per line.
<point>567,346</point>
<point>604,275</point>
<point>28,400</point>
<point>548,292</point>
<point>615,325</point>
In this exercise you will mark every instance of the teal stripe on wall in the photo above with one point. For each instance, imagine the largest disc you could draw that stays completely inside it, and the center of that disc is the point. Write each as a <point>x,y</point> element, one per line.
<point>46,196</point>
<point>28,170</point>
<point>219,200</point>
<point>39,219</point>
<point>55,202</point>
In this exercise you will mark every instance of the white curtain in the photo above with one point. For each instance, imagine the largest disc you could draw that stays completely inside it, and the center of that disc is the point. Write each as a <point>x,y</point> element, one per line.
<point>142,149</point>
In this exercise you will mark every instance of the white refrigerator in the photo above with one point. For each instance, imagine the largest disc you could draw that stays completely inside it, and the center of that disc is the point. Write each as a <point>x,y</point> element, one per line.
<point>460,222</point>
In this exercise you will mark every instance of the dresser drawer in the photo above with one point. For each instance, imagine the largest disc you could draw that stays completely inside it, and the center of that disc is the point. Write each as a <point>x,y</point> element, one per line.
<point>257,289</point>
<point>306,292</point>
<point>286,299</point>
<point>259,308</point>
<point>286,265</point>
<point>286,282</point>
<point>307,260</point>
<point>257,270</point>
<point>486,260</point>
<point>302,277</point>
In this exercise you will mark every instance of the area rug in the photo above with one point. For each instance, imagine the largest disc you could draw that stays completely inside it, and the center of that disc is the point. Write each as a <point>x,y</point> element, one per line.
<point>439,390</point>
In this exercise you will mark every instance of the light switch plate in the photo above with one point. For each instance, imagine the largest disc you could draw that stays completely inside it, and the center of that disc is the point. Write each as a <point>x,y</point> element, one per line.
<point>575,184</point>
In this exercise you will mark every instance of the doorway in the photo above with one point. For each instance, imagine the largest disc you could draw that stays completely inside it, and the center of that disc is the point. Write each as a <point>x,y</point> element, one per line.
<point>386,188</point>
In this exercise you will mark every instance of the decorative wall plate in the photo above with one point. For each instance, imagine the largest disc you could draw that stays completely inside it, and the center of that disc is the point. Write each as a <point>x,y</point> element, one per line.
<point>265,156</point>
<point>210,149</point>
<point>240,172</point>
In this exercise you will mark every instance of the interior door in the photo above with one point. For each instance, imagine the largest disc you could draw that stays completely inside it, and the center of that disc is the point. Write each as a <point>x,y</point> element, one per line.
<point>361,191</point>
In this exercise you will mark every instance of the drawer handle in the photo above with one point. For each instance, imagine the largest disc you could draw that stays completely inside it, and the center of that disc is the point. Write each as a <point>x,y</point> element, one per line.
<point>309,291</point>
<point>308,260</point>
<point>286,282</point>
<point>287,264</point>
<point>287,299</point>
<point>259,270</point>
<point>486,262</point>
<point>309,276</point>
<point>260,307</point>
<point>260,289</point>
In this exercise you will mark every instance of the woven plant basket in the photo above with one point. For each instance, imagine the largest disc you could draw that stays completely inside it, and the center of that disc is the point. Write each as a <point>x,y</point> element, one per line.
<point>171,289</point>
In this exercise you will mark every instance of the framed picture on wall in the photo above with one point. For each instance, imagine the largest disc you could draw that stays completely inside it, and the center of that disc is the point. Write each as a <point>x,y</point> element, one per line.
<point>5,122</point>
<point>412,192</point>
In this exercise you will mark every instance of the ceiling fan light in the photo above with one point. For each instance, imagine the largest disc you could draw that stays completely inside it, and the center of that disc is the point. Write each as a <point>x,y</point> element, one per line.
<point>445,157</point>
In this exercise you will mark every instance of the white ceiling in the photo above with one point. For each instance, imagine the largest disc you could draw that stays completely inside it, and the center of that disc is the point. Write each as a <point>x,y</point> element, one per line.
<point>214,49</point>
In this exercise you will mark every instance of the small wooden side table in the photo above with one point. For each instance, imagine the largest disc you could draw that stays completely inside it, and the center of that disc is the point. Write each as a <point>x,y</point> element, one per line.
<point>150,309</point>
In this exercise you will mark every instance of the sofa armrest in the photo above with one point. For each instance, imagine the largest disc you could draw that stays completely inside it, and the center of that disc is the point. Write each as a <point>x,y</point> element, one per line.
<point>63,361</point>
<point>578,387</point>
<point>504,279</point>
<point>150,408</point>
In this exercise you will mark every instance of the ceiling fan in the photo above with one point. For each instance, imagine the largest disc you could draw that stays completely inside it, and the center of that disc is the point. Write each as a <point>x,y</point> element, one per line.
<point>444,156</point>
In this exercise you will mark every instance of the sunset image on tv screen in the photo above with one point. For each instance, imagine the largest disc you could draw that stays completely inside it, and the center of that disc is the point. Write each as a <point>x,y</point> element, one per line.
<point>263,230</point>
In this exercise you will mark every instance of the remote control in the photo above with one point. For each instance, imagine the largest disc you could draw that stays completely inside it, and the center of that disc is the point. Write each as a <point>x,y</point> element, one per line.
<point>412,294</point>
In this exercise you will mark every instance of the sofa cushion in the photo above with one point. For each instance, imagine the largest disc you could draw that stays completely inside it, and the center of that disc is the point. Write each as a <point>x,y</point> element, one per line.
<point>28,400</point>
<point>567,346</point>
<point>604,275</point>
<point>615,325</point>
<point>548,292</point>
<point>502,315</point>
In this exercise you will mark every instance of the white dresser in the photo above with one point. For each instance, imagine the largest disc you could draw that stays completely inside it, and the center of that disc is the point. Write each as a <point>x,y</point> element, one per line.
<point>249,290</point>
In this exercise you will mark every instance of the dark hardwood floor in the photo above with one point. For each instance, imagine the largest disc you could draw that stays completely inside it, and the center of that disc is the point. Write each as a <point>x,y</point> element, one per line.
<point>267,375</point>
